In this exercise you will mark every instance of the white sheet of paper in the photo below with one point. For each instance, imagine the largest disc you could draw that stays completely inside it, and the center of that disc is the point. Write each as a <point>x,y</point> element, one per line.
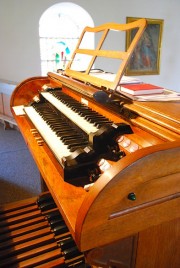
<point>19,110</point>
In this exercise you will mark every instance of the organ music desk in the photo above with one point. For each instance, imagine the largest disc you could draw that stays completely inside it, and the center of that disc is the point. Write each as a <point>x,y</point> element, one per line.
<point>129,216</point>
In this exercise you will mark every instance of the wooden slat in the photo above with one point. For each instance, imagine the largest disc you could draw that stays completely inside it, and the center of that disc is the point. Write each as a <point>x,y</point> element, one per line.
<point>21,231</point>
<point>21,224</point>
<point>103,53</point>
<point>25,238</point>
<point>19,218</point>
<point>155,113</point>
<point>6,208</point>
<point>18,212</point>
<point>35,243</point>
<point>42,259</point>
<point>59,262</point>
<point>34,257</point>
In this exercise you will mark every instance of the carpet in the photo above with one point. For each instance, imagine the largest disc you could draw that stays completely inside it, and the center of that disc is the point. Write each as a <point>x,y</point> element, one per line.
<point>19,175</point>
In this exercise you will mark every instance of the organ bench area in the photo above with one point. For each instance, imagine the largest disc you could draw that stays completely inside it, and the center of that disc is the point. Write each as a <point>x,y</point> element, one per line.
<point>113,177</point>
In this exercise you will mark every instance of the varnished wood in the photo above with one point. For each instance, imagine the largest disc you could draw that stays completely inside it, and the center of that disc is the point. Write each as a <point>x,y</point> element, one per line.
<point>160,119</point>
<point>163,246</point>
<point>165,117</point>
<point>138,173</point>
<point>104,217</point>
<point>31,244</point>
<point>123,56</point>
<point>32,86</point>
<point>121,178</point>
<point>120,254</point>
<point>88,206</point>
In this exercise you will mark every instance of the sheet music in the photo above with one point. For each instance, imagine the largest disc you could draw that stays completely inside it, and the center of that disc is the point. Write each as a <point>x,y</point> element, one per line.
<point>112,76</point>
<point>19,110</point>
<point>167,95</point>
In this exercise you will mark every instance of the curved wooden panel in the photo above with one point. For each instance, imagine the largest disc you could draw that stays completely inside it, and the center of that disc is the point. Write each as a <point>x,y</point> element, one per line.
<point>27,90</point>
<point>108,213</point>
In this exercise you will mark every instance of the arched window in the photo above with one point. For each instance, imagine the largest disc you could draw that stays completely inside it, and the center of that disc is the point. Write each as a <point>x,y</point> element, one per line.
<point>59,29</point>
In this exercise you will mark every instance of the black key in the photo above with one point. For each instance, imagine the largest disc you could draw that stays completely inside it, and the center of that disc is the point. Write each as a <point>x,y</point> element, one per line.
<point>67,243</point>
<point>53,215</point>
<point>60,229</point>
<point>71,253</point>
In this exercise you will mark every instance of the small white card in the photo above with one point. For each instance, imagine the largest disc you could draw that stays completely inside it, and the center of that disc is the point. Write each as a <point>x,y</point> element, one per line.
<point>19,110</point>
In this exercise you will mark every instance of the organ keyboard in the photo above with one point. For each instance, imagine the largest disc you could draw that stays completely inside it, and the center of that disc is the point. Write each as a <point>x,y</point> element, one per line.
<point>127,151</point>
<point>77,135</point>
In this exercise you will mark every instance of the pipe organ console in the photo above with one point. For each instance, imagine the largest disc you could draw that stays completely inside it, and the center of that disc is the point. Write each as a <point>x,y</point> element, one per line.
<point>111,166</point>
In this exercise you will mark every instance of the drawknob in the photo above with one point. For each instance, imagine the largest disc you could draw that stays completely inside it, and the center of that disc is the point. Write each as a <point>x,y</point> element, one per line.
<point>132,196</point>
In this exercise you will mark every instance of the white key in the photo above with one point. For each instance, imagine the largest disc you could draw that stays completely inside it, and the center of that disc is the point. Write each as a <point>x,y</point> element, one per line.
<point>57,146</point>
<point>73,116</point>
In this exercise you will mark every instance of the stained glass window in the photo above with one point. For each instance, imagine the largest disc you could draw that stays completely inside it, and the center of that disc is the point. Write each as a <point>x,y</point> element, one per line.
<point>59,29</point>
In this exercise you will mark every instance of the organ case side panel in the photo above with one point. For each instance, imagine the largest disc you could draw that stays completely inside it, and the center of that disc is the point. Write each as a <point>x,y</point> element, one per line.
<point>154,184</point>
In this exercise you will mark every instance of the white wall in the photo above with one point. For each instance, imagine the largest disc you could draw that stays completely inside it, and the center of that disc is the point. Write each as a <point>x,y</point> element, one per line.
<point>19,43</point>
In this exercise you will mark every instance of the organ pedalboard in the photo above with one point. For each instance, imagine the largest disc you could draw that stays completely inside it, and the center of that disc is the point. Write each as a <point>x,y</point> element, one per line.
<point>34,234</point>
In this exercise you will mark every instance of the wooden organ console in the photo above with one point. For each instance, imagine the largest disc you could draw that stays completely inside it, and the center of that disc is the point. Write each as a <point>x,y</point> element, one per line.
<point>111,166</point>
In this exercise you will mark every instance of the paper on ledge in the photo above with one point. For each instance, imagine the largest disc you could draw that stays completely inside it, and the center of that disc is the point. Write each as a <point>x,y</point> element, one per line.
<point>167,95</point>
<point>19,110</point>
<point>112,76</point>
